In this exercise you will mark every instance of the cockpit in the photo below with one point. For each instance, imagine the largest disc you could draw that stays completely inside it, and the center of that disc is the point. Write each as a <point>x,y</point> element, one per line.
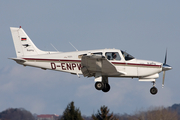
<point>112,56</point>
<point>126,55</point>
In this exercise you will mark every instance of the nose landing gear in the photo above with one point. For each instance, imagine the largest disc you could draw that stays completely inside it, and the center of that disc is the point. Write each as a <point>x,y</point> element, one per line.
<point>153,90</point>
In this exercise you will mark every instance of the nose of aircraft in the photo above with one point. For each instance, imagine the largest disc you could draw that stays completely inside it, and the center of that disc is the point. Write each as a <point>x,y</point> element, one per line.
<point>166,67</point>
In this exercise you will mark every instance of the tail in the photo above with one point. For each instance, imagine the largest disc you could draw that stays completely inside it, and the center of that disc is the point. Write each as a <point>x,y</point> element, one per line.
<point>23,44</point>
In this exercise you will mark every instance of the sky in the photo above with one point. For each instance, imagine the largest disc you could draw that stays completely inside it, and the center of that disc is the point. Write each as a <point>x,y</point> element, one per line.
<point>145,29</point>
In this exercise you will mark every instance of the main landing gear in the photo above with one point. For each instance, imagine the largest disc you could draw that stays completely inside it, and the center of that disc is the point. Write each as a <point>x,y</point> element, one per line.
<point>102,83</point>
<point>105,87</point>
<point>153,90</point>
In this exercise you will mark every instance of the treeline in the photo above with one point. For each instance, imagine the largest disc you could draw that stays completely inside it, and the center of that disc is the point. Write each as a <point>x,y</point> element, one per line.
<point>16,114</point>
<point>73,113</point>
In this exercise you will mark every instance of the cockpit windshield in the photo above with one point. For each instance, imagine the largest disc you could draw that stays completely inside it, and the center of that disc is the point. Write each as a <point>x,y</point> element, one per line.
<point>126,55</point>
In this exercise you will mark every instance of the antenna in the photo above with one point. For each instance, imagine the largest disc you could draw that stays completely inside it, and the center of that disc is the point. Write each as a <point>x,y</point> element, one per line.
<point>54,47</point>
<point>73,46</point>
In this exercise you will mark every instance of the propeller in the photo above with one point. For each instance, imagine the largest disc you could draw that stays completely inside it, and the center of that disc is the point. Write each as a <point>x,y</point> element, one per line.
<point>165,67</point>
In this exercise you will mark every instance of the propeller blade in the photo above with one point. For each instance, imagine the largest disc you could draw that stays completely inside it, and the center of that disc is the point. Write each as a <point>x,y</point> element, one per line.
<point>163,79</point>
<point>166,66</point>
<point>165,57</point>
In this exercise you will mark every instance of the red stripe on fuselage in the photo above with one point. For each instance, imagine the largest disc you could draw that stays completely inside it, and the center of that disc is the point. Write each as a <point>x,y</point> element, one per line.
<point>40,59</point>
<point>120,63</point>
<point>136,64</point>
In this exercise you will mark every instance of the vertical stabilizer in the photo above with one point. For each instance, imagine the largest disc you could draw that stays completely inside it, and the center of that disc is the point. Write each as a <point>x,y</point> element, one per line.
<point>23,44</point>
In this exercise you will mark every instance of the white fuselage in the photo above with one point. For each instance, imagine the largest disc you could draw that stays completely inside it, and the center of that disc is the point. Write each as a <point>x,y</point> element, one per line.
<point>71,62</point>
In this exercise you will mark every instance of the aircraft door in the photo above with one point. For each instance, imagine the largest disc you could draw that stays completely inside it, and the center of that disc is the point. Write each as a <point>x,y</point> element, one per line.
<point>115,59</point>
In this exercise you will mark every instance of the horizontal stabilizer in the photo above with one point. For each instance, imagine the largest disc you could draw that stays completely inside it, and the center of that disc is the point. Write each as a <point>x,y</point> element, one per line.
<point>18,60</point>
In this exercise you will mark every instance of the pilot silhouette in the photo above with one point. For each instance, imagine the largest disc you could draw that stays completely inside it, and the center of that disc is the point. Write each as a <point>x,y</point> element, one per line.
<point>114,56</point>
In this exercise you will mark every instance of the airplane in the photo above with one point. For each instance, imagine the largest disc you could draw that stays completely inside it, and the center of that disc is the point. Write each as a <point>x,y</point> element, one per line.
<point>100,64</point>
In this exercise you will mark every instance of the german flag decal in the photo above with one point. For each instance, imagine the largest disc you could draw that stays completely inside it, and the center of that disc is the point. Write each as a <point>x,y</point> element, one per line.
<point>23,39</point>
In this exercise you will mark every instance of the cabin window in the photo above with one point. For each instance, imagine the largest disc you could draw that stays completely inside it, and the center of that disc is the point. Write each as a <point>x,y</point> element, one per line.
<point>127,56</point>
<point>112,56</point>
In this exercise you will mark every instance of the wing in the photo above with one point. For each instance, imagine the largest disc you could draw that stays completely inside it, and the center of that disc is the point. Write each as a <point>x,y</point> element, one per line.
<point>92,64</point>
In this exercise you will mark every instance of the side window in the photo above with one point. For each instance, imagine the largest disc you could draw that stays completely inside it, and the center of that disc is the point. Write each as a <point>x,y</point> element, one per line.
<point>98,53</point>
<point>112,56</point>
<point>80,56</point>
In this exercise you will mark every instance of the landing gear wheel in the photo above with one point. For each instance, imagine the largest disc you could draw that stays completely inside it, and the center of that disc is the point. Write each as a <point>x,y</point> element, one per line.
<point>106,87</point>
<point>99,85</point>
<point>153,90</point>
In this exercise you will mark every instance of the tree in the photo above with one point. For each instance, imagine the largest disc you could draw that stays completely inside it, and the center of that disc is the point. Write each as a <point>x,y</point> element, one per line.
<point>103,114</point>
<point>16,114</point>
<point>71,113</point>
<point>157,113</point>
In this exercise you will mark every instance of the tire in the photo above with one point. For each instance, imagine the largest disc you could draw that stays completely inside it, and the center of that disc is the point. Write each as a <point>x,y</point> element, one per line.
<point>153,90</point>
<point>106,87</point>
<point>99,85</point>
